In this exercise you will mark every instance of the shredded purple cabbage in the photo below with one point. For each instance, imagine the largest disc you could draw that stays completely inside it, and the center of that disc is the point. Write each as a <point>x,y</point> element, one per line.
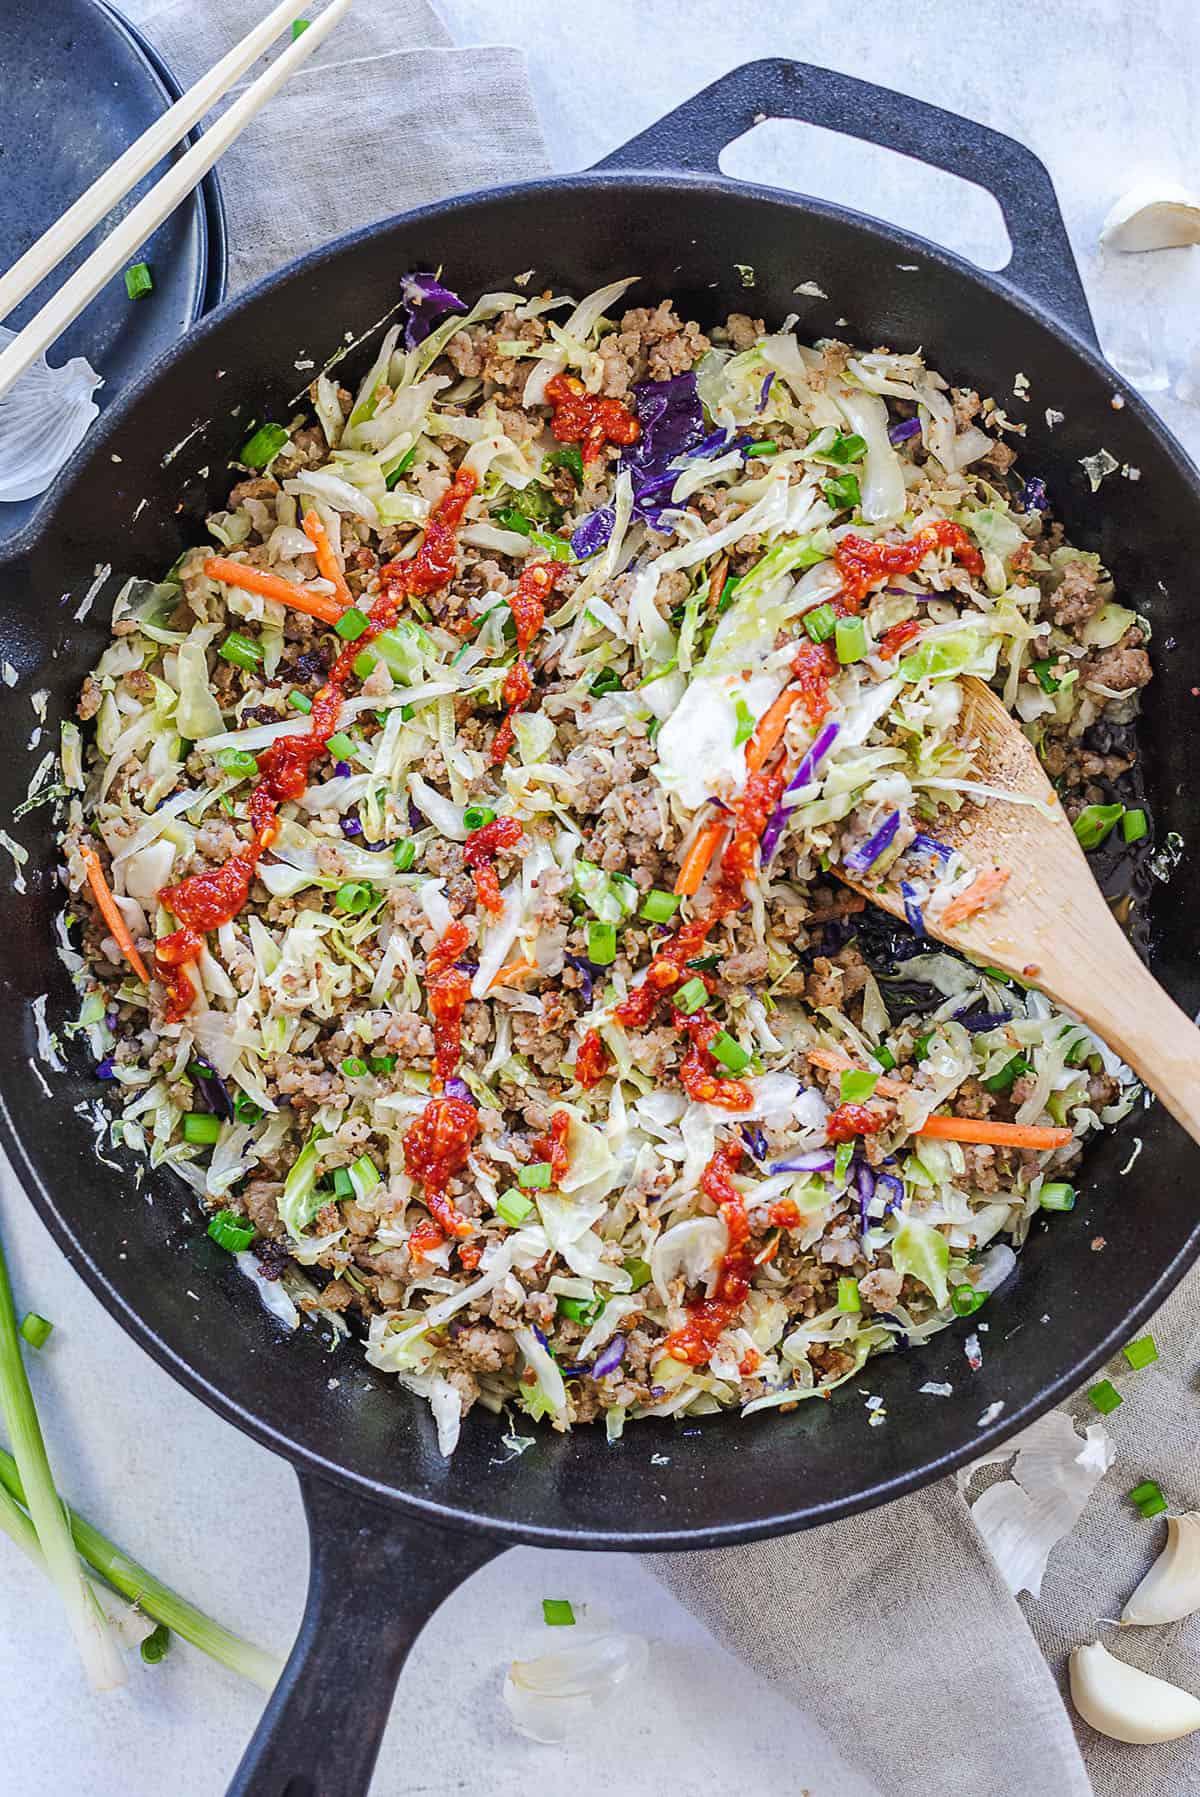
<point>1033,495</point>
<point>894,1188</point>
<point>672,424</point>
<point>867,853</point>
<point>351,827</point>
<point>981,1020</point>
<point>342,769</point>
<point>609,1358</point>
<point>425,302</point>
<point>588,973</point>
<point>104,1068</point>
<point>912,910</point>
<point>762,398</point>
<point>457,1088</point>
<point>816,752</point>
<point>416,818</point>
<point>541,1337</point>
<point>590,537</point>
<point>755,1140</point>
<point>210,1086</point>
<point>907,427</point>
<point>864,1180</point>
<point>928,845</point>
<point>816,1162</point>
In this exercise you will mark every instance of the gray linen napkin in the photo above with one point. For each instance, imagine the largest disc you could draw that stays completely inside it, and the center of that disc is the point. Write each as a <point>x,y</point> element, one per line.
<point>893,1631</point>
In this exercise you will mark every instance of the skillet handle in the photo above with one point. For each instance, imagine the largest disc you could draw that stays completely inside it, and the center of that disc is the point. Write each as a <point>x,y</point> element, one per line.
<point>1042,267</point>
<point>376,1577</point>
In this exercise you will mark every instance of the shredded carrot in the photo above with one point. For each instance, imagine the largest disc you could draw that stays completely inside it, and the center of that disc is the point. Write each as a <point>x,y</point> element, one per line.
<point>983,888</point>
<point>327,562</point>
<point>716,580</point>
<point>840,1063</point>
<point>695,862</point>
<point>512,974</point>
<point>273,586</point>
<point>1003,1135</point>
<point>770,728</point>
<point>110,911</point>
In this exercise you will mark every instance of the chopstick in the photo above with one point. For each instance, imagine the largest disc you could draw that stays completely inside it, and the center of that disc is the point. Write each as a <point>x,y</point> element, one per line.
<point>159,203</point>
<point>139,159</point>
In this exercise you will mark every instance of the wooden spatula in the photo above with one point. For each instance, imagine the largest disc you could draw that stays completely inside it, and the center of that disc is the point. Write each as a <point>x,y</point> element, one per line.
<point>1050,923</point>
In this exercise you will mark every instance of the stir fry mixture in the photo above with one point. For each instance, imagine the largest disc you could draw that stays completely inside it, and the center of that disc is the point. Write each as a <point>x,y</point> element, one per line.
<point>452,847</point>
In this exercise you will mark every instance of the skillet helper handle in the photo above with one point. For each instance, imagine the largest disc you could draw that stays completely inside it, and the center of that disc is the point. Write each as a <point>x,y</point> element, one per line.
<point>376,1577</point>
<point>691,138</point>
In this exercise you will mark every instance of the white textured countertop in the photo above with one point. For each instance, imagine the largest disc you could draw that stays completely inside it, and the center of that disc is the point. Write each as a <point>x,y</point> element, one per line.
<point>1104,92</point>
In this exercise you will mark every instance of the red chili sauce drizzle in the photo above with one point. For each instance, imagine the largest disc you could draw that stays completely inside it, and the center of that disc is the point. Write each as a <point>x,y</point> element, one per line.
<point>850,1120</point>
<point>698,1072</point>
<point>584,418</point>
<point>529,614</point>
<point>813,667</point>
<point>591,1060</point>
<point>552,1146</point>
<point>708,1318</point>
<point>206,900</point>
<point>436,1146</point>
<point>479,853</point>
<point>447,989</point>
<point>863,564</point>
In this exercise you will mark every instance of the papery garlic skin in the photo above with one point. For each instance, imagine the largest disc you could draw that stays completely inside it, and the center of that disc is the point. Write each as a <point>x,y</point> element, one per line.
<point>1171,1589</point>
<point>1155,215</point>
<point>44,418</point>
<point>1128,1705</point>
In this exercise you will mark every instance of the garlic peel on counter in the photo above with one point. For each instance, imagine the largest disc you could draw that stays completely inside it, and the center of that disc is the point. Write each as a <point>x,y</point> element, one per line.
<point>1126,1704</point>
<point>1171,1589</point>
<point>1155,215</point>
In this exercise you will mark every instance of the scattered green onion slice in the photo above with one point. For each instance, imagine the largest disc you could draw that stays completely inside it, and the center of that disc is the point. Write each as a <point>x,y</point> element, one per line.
<point>353,1068</point>
<point>921,1045</point>
<point>965,1300</point>
<point>850,640</point>
<point>356,896</point>
<point>201,1126</point>
<point>241,651</point>
<point>848,1299</point>
<point>570,458</point>
<point>1141,1352</point>
<point>727,593</point>
<point>690,996</point>
<point>1134,825</point>
<point>1058,1195</point>
<point>364,1175</point>
<point>239,762</point>
<point>138,280</point>
<point>606,681</point>
<point>392,475</point>
<point>231,1231</point>
<point>343,1185</point>
<point>262,448</point>
<point>475,817</point>
<point>1006,1078</point>
<point>639,1272</point>
<point>883,1058</point>
<point>557,1612</point>
<point>847,446</point>
<point>729,1051</point>
<point>154,1648</point>
<point>581,1310</point>
<point>659,906</point>
<point>536,1176</point>
<point>820,623</point>
<point>765,446</point>
<point>843,492</point>
<point>602,943</point>
<point>1105,1396</point>
<point>857,1086</point>
<point>340,746</point>
<point>352,623</point>
<point>245,1109</point>
<point>299,27</point>
<point>404,854</point>
<point>513,1206</point>
<point>843,1154</point>
<point>1094,823</point>
<point>382,1063</point>
<point>35,1329</point>
<point>299,701</point>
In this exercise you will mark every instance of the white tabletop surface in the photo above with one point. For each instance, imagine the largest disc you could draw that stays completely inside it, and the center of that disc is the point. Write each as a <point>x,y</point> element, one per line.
<point>1104,92</point>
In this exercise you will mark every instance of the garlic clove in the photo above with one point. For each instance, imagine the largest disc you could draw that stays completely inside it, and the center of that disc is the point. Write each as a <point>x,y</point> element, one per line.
<point>1171,1588</point>
<point>1155,215</point>
<point>1128,1705</point>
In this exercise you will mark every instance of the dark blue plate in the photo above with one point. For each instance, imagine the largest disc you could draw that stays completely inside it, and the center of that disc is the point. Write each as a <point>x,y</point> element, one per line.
<point>80,84</point>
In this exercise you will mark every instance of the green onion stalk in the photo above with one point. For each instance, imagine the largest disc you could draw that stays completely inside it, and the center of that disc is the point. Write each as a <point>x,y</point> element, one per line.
<point>151,1596</point>
<point>89,1625</point>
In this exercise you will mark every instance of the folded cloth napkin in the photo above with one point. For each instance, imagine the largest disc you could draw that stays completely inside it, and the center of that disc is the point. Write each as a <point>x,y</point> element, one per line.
<point>893,1630</point>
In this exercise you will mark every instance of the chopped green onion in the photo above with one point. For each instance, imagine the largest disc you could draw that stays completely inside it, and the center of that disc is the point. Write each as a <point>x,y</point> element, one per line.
<point>965,1300</point>
<point>513,1206</point>
<point>353,1068</point>
<point>476,817</point>
<point>569,458</point>
<point>1105,1396</point>
<point>557,1612</point>
<point>404,854</point>
<point>241,651</point>
<point>340,746</point>
<point>262,448</point>
<point>998,974</point>
<point>364,1175</point>
<point>857,1087</point>
<point>843,492</point>
<point>356,896</point>
<point>1094,823</point>
<point>536,1176</point>
<point>581,1310</point>
<point>690,996</point>
<point>299,701</point>
<point>745,724</point>
<point>201,1126</point>
<point>606,681</point>
<point>639,1272</point>
<point>1141,1494</point>
<point>35,1329</point>
<point>352,623</point>
<point>705,963</point>
<point>299,27</point>
<point>245,1109</point>
<point>1141,1352</point>
<point>1134,825</point>
<point>843,1154</point>
<point>393,474</point>
<point>1058,1195</point>
<point>850,640</point>
<point>883,1058</point>
<point>1009,1074</point>
<point>602,943</point>
<point>848,1299</point>
<point>729,1051</point>
<point>659,906</point>
<point>154,1648</point>
<point>239,762</point>
<point>343,1185</point>
<point>1046,680</point>
<point>727,592</point>
<point>382,1063</point>
<point>820,623</point>
<point>847,446</point>
<point>921,1045</point>
<point>1153,1506</point>
<point>231,1231</point>
<point>138,281</point>
<point>766,446</point>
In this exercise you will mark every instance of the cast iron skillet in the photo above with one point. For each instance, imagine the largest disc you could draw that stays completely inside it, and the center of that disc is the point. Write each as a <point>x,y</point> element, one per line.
<point>394,1526</point>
